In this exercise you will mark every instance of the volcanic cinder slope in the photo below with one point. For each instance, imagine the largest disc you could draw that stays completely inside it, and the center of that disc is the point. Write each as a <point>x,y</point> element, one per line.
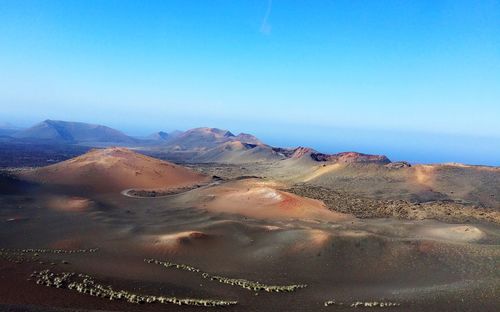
<point>374,176</point>
<point>115,169</point>
<point>258,229</point>
<point>262,200</point>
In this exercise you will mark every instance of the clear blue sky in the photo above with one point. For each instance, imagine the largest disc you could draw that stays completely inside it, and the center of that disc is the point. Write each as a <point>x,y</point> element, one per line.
<point>416,80</point>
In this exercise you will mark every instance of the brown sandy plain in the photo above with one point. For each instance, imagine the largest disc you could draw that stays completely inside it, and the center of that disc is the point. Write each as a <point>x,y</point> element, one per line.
<point>259,229</point>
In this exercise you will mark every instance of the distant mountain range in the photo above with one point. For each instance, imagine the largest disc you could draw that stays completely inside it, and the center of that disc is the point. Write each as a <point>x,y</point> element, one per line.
<point>202,145</point>
<point>73,132</point>
<point>215,145</point>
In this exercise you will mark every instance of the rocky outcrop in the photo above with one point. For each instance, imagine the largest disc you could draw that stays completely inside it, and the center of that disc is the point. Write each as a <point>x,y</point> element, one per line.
<point>398,165</point>
<point>345,157</point>
<point>300,152</point>
<point>351,157</point>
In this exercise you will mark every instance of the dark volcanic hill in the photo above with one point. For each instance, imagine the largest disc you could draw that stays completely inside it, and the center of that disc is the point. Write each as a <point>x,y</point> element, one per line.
<point>73,132</point>
<point>343,157</point>
<point>351,157</point>
<point>159,136</point>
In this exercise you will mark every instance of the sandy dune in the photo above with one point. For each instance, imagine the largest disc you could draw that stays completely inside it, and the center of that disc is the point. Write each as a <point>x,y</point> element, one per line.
<point>172,242</point>
<point>115,169</point>
<point>452,232</point>
<point>321,170</point>
<point>67,203</point>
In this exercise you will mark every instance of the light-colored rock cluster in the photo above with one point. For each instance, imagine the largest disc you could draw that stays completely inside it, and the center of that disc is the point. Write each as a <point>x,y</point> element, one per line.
<point>86,285</point>
<point>364,304</point>
<point>254,286</point>
<point>32,255</point>
<point>374,304</point>
<point>52,251</point>
<point>169,264</point>
<point>243,283</point>
<point>11,256</point>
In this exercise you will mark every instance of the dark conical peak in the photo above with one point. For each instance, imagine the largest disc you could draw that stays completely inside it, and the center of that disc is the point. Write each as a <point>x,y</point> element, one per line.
<point>160,135</point>
<point>228,134</point>
<point>163,134</point>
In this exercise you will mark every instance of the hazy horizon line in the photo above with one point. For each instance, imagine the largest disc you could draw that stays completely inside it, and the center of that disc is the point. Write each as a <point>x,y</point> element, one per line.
<point>363,140</point>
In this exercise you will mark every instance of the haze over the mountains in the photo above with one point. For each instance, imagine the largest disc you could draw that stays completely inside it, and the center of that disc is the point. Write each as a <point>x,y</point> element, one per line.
<point>72,132</point>
<point>204,145</point>
<point>7,129</point>
<point>216,145</point>
<point>201,145</point>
